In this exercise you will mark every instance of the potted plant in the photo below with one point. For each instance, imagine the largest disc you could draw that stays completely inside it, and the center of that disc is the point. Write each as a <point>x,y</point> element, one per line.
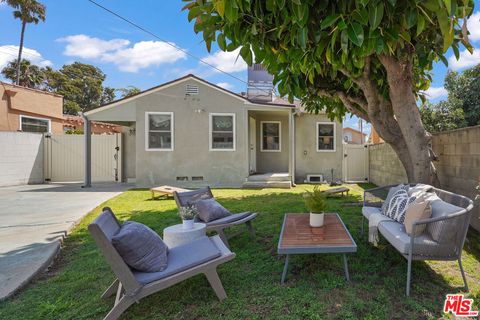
<point>188,215</point>
<point>316,202</point>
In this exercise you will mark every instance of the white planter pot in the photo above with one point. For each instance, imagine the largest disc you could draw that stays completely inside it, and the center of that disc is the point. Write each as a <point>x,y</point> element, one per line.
<point>188,224</point>
<point>316,219</point>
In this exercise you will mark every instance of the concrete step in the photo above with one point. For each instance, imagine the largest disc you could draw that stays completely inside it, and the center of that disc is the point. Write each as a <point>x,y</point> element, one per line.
<point>269,177</point>
<point>267,184</point>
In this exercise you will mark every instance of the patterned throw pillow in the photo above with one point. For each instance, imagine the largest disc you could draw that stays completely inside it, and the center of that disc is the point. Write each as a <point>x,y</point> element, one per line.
<point>391,193</point>
<point>398,204</point>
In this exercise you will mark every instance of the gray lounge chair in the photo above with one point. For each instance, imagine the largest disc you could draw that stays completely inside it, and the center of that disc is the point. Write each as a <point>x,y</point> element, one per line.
<point>185,198</point>
<point>183,262</point>
<point>451,228</point>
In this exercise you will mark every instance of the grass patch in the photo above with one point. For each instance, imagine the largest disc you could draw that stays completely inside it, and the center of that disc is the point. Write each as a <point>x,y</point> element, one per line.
<point>316,288</point>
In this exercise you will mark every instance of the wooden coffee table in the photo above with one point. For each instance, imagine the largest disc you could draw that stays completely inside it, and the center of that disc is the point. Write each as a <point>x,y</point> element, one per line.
<point>166,190</point>
<point>297,237</point>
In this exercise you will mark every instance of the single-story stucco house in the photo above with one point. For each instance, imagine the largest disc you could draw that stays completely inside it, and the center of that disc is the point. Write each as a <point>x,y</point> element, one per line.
<point>190,133</point>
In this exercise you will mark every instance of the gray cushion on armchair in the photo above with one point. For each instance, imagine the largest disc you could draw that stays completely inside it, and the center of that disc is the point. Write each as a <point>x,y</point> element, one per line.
<point>210,210</point>
<point>141,247</point>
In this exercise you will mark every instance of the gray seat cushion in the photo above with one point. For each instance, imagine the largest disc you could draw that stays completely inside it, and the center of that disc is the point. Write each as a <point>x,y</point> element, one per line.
<point>443,231</point>
<point>210,210</point>
<point>367,211</point>
<point>424,245</point>
<point>182,258</point>
<point>140,247</point>
<point>231,218</point>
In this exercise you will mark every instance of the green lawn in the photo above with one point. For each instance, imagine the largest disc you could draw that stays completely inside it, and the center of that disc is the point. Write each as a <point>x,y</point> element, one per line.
<point>316,288</point>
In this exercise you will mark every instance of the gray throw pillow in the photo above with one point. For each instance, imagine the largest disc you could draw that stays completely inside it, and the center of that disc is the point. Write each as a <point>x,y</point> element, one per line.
<point>141,247</point>
<point>210,210</point>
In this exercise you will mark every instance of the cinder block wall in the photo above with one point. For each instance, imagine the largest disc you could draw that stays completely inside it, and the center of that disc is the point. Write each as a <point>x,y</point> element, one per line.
<point>458,166</point>
<point>21,158</point>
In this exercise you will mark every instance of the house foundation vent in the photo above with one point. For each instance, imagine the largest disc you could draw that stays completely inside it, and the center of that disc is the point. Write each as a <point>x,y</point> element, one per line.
<point>197,178</point>
<point>182,178</point>
<point>314,178</point>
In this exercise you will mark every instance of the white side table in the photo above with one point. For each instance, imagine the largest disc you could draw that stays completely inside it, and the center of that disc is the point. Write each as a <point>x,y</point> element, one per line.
<point>175,235</point>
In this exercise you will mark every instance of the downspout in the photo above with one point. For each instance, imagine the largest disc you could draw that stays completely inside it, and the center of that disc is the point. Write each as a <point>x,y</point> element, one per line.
<point>292,145</point>
<point>87,132</point>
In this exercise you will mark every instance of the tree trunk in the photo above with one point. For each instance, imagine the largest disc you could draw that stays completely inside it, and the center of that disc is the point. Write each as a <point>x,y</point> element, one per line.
<point>20,49</point>
<point>403,101</point>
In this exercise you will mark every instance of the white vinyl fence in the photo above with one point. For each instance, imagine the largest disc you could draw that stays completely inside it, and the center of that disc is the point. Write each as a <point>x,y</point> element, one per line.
<point>64,158</point>
<point>355,163</point>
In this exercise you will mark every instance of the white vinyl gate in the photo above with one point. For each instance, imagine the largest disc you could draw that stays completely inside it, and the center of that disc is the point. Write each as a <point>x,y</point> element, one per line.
<point>355,163</point>
<point>65,158</point>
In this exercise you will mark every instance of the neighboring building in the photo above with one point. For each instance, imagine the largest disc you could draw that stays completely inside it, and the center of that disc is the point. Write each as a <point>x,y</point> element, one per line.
<point>353,136</point>
<point>374,137</point>
<point>75,123</point>
<point>30,110</point>
<point>189,132</point>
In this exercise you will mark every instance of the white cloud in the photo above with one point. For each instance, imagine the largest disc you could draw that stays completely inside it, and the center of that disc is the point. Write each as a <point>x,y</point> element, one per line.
<point>144,54</point>
<point>465,60</point>
<point>225,85</point>
<point>227,61</point>
<point>473,25</point>
<point>433,93</point>
<point>127,58</point>
<point>10,52</point>
<point>86,47</point>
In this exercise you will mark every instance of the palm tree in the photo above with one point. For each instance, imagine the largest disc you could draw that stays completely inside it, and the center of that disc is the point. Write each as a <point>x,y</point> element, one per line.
<point>28,11</point>
<point>31,76</point>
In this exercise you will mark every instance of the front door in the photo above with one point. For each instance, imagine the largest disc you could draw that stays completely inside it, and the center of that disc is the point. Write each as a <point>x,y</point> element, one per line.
<point>252,125</point>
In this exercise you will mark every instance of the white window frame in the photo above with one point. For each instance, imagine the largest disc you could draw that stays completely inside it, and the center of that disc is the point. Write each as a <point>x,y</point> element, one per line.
<point>35,118</point>
<point>279,136</point>
<point>210,132</point>
<point>334,136</point>
<point>147,130</point>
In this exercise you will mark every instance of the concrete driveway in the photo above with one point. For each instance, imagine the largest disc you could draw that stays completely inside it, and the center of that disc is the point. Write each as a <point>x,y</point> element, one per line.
<point>33,221</point>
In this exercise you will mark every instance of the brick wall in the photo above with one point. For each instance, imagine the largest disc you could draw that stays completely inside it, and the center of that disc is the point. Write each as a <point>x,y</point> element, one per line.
<point>458,166</point>
<point>21,158</point>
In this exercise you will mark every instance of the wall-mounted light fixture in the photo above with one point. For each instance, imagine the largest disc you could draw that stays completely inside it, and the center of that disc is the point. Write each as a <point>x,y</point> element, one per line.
<point>198,110</point>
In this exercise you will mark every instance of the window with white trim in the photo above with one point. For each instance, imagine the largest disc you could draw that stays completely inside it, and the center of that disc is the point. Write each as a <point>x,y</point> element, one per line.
<point>271,136</point>
<point>32,124</point>
<point>326,136</point>
<point>222,131</point>
<point>159,131</point>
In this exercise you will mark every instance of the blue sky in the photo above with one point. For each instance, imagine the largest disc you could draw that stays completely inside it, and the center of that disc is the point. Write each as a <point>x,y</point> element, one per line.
<point>76,30</point>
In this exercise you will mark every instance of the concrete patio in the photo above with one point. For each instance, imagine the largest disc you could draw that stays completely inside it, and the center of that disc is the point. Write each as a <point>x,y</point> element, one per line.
<point>33,221</point>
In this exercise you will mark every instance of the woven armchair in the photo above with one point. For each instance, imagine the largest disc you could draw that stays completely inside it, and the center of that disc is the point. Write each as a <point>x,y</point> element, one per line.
<point>451,229</point>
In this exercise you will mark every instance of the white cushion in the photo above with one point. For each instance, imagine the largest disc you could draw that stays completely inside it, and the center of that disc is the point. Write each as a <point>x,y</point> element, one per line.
<point>367,211</point>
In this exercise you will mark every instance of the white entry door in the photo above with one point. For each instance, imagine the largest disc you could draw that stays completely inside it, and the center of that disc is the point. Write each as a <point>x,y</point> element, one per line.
<point>355,163</point>
<point>252,125</point>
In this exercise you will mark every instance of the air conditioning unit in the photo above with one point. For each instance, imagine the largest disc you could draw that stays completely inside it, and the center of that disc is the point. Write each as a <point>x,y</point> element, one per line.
<point>314,178</point>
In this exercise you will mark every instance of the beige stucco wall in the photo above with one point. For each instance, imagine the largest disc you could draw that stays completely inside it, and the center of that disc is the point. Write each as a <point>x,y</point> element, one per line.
<point>268,161</point>
<point>191,155</point>
<point>16,101</point>
<point>356,136</point>
<point>314,162</point>
<point>458,164</point>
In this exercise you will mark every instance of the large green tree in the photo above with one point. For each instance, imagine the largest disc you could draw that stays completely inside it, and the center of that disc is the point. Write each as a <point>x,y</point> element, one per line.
<point>443,116</point>
<point>81,86</point>
<point>465,87</point>
<point>28,11</point>
<point>31,76</point>
<point>367,57</point>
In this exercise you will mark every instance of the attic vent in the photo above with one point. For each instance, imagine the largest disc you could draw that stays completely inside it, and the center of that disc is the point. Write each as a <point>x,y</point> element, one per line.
<point>191,90</point>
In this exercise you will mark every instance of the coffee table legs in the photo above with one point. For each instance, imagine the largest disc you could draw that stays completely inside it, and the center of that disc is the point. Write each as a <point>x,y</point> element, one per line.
<point>285,269</point>
<point>287,258</point>
<point>345,266</point>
